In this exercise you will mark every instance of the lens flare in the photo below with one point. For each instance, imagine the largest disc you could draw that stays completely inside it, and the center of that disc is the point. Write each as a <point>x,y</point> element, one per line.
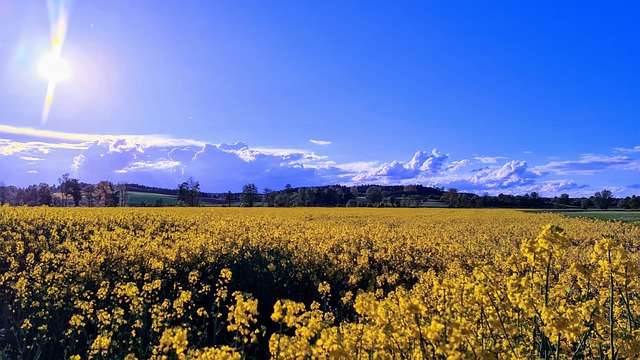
<point>52,66</point>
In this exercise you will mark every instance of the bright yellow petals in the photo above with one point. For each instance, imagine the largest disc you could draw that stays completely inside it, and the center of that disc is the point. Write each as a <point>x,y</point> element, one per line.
<point>364,283</point>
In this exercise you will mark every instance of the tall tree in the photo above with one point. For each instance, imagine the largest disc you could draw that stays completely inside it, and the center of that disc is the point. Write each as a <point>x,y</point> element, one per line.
<point>3,193</point>
<point>194,192</point>
<point>123,194</point>
<point>189,193</point>
<point>89,194</point>
<point>228,198</point>
<point>603,199</point>
<point>44,194</point>
<point>64,181</point>
<point>73,189</point>
<point>354,193</point>
<point>450,197</point>
<point>374,195</point>
<point>339,195</point>
<point>269,197</point>
<point>183,194</point>
<point>103,194</point>
<point>249,194</point>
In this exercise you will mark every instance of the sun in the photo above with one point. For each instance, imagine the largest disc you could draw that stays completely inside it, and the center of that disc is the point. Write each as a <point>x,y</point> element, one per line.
<point>54,68</point>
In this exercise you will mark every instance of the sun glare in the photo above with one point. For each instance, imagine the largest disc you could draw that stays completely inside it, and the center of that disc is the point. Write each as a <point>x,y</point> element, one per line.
<point>54,68</point>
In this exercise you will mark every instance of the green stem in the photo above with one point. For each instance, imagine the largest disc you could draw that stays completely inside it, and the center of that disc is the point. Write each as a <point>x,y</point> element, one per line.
<point>504,330</point>
<point>546,285</point>
<point>610,304</point>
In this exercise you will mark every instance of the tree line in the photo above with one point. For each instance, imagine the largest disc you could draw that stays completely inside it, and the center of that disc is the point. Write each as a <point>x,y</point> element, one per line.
<point>68,192</point>
<point>601,200</point>
<point>71,192</point>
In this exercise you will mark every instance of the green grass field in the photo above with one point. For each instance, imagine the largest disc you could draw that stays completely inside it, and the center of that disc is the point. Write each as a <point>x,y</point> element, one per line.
<point>140,198</point>
<point>608,215</point>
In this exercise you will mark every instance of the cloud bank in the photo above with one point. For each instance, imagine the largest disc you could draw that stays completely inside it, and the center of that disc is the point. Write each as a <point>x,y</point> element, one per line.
<point>32,156</point>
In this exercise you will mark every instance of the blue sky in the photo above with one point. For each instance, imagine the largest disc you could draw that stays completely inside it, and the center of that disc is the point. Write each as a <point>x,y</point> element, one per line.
<point>481,96</point>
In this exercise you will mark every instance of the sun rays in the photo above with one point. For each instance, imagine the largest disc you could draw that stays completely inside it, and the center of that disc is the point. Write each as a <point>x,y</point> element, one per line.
<point>52,66</point>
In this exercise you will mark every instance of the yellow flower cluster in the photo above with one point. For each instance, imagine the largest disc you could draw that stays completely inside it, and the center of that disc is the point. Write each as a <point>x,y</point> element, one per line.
<point>316,283</point>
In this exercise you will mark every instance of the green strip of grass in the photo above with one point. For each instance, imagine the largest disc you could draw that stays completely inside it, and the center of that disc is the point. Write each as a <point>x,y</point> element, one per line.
<point>608,215</point>
<point>150,199</point>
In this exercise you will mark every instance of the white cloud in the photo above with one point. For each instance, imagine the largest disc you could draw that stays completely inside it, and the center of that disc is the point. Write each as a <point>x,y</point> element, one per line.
<point>9,147</point>
<point>77,162</point>
<point>163,161</point>
<point>168,165</point>
<point>30,158</point>
<point>489,159</point>
<point>47,134</point>
<point>457,165</point>
<point>423,163</point>
<point>320,142</point>
<point>140,140</point>
<point>634,149</point>
<point>590,164</point>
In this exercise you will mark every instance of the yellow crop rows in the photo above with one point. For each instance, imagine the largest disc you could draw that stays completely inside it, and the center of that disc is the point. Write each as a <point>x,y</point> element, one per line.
<point>180,283</point>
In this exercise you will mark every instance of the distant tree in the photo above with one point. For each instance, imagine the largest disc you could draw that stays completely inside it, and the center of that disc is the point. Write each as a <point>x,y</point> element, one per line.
<point>64,181</point>
<point>393,201</point>
<point>249,195</point>
<point>410,190</point>
<point>29,195</point>
<point>183,194</point>
<point>339,196</point>
<point>269,197</point>
<point>535,198</point>
<point>89,192</point>
<point>307,197</point>
<point>634,202</point>
<point>123,194</point>
<point>194,192</point>
<point>103,194</point>
<point>283,199</point>
<point>228,198</point>
<point>189,193</point>
<point>354,193</point>
<point>44,195</point>
<point>603,199</point>
<point>12,195</point>
<point>623,203</point>
<point>584,203</point>
<point>73,189</point>
<point>115,198</point>
<point>450,197</point>
<point>374,195</point>
<point>3,193</point>
<point>416,200</point>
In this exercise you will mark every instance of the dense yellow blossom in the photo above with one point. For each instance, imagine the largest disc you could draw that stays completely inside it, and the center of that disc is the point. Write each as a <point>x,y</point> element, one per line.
<point>316,283</point>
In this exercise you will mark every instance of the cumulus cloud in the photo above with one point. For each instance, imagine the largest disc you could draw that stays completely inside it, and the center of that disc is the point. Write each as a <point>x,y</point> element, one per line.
<point>37,156</point>
<point>457,165</point>
<point>320,142</point>
<point>167,165</point>
<point>423,163</point>
<point>512,174</point>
